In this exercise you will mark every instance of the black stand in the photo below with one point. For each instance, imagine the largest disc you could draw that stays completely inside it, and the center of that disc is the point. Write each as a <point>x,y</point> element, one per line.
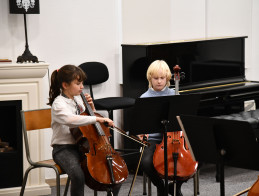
<point>26,56</point>
<point>156,114</point>
<point>222,142</point>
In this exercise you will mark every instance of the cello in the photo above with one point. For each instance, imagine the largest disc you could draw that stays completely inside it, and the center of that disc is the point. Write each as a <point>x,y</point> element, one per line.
<point>181,165</point>
<point>103,167</point>
<point>252,191</point>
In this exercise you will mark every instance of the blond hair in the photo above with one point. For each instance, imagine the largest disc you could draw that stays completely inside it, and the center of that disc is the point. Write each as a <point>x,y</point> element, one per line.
<point>159,65</point>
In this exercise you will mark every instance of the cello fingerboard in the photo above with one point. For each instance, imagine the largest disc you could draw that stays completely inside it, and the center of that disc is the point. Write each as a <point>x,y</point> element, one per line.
<point>91,113</point>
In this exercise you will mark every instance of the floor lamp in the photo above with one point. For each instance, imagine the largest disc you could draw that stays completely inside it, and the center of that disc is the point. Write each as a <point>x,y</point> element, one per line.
<point>25,7</point>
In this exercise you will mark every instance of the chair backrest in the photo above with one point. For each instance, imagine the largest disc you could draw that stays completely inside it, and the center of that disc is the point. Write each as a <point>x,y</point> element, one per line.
<point>34,120</point>
<point>96,73</point>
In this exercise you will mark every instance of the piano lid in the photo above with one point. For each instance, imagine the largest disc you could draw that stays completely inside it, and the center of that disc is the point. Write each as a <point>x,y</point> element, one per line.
<point>204,61</point>
<point>182,41</point>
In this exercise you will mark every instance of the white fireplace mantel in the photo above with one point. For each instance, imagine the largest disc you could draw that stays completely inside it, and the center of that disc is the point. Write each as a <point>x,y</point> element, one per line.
<point>23,70</point>
<point>24,81</point>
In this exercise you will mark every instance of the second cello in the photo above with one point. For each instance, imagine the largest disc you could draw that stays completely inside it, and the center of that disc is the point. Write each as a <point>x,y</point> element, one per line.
<point>180,164</point>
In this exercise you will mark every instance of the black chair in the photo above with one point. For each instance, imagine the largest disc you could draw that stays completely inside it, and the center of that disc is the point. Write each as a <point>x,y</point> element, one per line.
<point>98,73</point>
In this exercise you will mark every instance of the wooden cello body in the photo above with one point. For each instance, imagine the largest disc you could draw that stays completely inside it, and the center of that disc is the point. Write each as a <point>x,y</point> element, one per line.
<point>181,165</point>
<point>103,167</point>
<point>185,165</point>
<point>254,190</point>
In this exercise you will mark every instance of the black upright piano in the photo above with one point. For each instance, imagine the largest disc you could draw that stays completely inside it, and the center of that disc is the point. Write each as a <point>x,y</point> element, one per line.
<point>214,68</point>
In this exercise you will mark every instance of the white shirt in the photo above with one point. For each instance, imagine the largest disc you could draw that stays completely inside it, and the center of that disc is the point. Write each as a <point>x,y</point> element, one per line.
<point>63,117</point>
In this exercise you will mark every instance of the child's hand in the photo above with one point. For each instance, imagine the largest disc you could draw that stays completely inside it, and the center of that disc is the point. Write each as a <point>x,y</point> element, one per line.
<point>90,101</point>
<point>143,137</point>
<point>106,121</point>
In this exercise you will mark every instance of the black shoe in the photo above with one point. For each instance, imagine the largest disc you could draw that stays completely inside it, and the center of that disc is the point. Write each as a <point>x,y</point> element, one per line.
<point>160,192</point>
<point>171,188</point>
<point>109,193</point>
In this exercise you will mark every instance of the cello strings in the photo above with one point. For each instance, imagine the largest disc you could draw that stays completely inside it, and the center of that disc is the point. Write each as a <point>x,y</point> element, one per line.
<point>97,124</point>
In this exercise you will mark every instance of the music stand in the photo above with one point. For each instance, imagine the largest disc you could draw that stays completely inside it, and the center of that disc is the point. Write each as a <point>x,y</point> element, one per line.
<point>158,114</point>
<point>227,142</point>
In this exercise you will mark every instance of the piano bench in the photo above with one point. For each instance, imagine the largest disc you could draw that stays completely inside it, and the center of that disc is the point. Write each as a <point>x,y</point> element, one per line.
<point>251,116</point>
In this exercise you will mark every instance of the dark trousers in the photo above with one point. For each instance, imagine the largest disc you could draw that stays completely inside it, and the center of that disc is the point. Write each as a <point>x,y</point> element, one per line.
<point>148,166</point>
<point>68,158</point>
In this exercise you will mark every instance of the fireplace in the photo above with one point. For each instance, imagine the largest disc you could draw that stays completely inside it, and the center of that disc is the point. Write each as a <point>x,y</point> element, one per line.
<point>11,149</point>
<point>21,87</point>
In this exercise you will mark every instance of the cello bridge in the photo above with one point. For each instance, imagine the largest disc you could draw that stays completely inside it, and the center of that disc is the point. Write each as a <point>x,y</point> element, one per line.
<point>176,141</point>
